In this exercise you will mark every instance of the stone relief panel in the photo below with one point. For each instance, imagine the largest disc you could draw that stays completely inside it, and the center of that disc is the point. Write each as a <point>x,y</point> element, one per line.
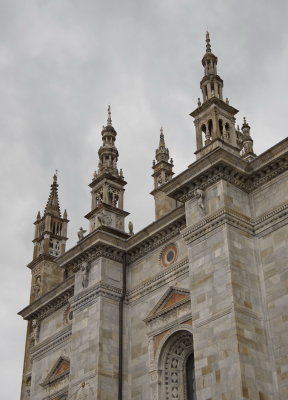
<point>58,377</point>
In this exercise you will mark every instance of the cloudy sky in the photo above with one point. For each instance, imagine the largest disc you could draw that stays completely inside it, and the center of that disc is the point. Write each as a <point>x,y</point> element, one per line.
<point>63,61</point>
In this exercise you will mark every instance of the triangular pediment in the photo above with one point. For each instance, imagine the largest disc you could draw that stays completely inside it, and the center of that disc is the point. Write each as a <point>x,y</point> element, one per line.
<point>60,369</point>
<point>172,298</point>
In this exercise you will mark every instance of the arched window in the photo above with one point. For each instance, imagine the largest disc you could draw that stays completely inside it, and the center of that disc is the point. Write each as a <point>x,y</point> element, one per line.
<point>178,372</point>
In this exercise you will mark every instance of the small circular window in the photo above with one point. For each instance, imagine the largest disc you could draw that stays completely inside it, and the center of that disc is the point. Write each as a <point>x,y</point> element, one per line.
<point>168,255</point>
<point>67,315</point>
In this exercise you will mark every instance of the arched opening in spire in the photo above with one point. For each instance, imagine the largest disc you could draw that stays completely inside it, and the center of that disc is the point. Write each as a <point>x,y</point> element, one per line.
<point>220,122</point>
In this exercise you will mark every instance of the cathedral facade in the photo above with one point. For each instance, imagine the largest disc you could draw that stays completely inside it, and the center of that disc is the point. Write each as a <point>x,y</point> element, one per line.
<point>194,306</point>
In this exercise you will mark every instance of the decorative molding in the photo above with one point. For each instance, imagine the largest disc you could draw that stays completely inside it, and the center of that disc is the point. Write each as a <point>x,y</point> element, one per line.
<point>59,395</point>
<point>158,280</point>
<point>52,376</point>
<point>159,309</point>
<point>55,304</point>
<point>56,340</point>
<point>89,296</point>
<point>211,318</point>
<point>171,249</point>
<point>93,253</point>
<point>85,377</point>
<point>273,216</point>
<point>155,240</point>
<point>248,312</point>
<point>222,165</point>
<point>224,215</point>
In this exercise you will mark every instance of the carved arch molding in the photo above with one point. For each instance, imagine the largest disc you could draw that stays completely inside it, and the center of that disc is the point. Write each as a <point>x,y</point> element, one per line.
<point>175,353</point>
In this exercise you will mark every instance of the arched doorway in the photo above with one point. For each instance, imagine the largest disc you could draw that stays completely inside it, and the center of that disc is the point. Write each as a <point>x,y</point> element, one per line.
<point>177,365</point>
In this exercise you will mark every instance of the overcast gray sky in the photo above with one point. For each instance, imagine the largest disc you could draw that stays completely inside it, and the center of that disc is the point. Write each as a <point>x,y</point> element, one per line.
<point>61,64</point>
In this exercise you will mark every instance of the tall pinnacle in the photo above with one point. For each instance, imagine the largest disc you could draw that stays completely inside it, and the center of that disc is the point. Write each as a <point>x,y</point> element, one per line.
<point>52,206</point>
<point>108,153</point>
<point>211,83</point>
<point>109,120</point>
<point>208,46</point>
<point>162,140</point>
<point>162,153</point>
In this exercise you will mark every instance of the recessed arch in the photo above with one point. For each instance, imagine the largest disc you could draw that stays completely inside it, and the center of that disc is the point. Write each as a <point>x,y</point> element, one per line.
<point>174,354</point>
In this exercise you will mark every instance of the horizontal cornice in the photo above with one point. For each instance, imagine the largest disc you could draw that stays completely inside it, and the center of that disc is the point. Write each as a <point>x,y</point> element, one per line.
<point>225,215</point>
<point>51,343</point>
<point>50,301</point>
<point>221,164</point>
<point>101,243</point>
<point>90,295</point>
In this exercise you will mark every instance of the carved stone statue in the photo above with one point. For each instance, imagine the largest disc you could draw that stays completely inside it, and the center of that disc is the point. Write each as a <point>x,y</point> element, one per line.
<point>80,233</point>
<point>37,286</point>
<point>104,219</point>
<point>85,272</point>
<point>130,227</point>
<point>199,194</point>
<point>35,332</point>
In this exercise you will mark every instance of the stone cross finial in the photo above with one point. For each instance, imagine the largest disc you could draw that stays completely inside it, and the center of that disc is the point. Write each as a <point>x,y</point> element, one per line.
<point>208,46</point>
<point>109,120</point>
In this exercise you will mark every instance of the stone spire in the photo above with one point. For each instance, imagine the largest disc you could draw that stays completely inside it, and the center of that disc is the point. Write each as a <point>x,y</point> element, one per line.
<point>108,153</point>
<point>107,184</point>
<point>163,172</point>
<point>208,45</point>
<point>51,229</point>
<point>211,84</point>
<point>214,118</point>
<point>52,206</point>
<point>162,153</point>
<point>247,143</point>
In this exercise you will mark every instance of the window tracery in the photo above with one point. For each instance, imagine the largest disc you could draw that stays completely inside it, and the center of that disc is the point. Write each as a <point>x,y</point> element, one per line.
<point>178,380</point>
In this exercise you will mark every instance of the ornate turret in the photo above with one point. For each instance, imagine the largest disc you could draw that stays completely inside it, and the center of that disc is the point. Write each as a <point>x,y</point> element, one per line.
<point>247,142</point>
<point>51,229</point>
<point>163,172</point>
<point>107,185</point>
<point>214,118</point>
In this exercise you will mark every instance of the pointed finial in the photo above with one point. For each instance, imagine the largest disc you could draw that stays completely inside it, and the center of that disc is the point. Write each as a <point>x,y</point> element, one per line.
<point>109,120</point>
<point>52,205</point>
<point>65,214</point>
<point>162,140</point>
<point>38,215</point>
<point>208,46</point>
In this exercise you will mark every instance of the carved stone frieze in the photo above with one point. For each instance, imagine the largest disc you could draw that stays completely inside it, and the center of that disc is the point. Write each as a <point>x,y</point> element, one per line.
<point>53,342</point>
<point>226,215</point>
<point>156,240</point>
<point>91,294</point>
<point>158,280</point>
<point>92,254</point>
<point>46,309</point>
<point>245,179</point>
<point>222,216</point>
